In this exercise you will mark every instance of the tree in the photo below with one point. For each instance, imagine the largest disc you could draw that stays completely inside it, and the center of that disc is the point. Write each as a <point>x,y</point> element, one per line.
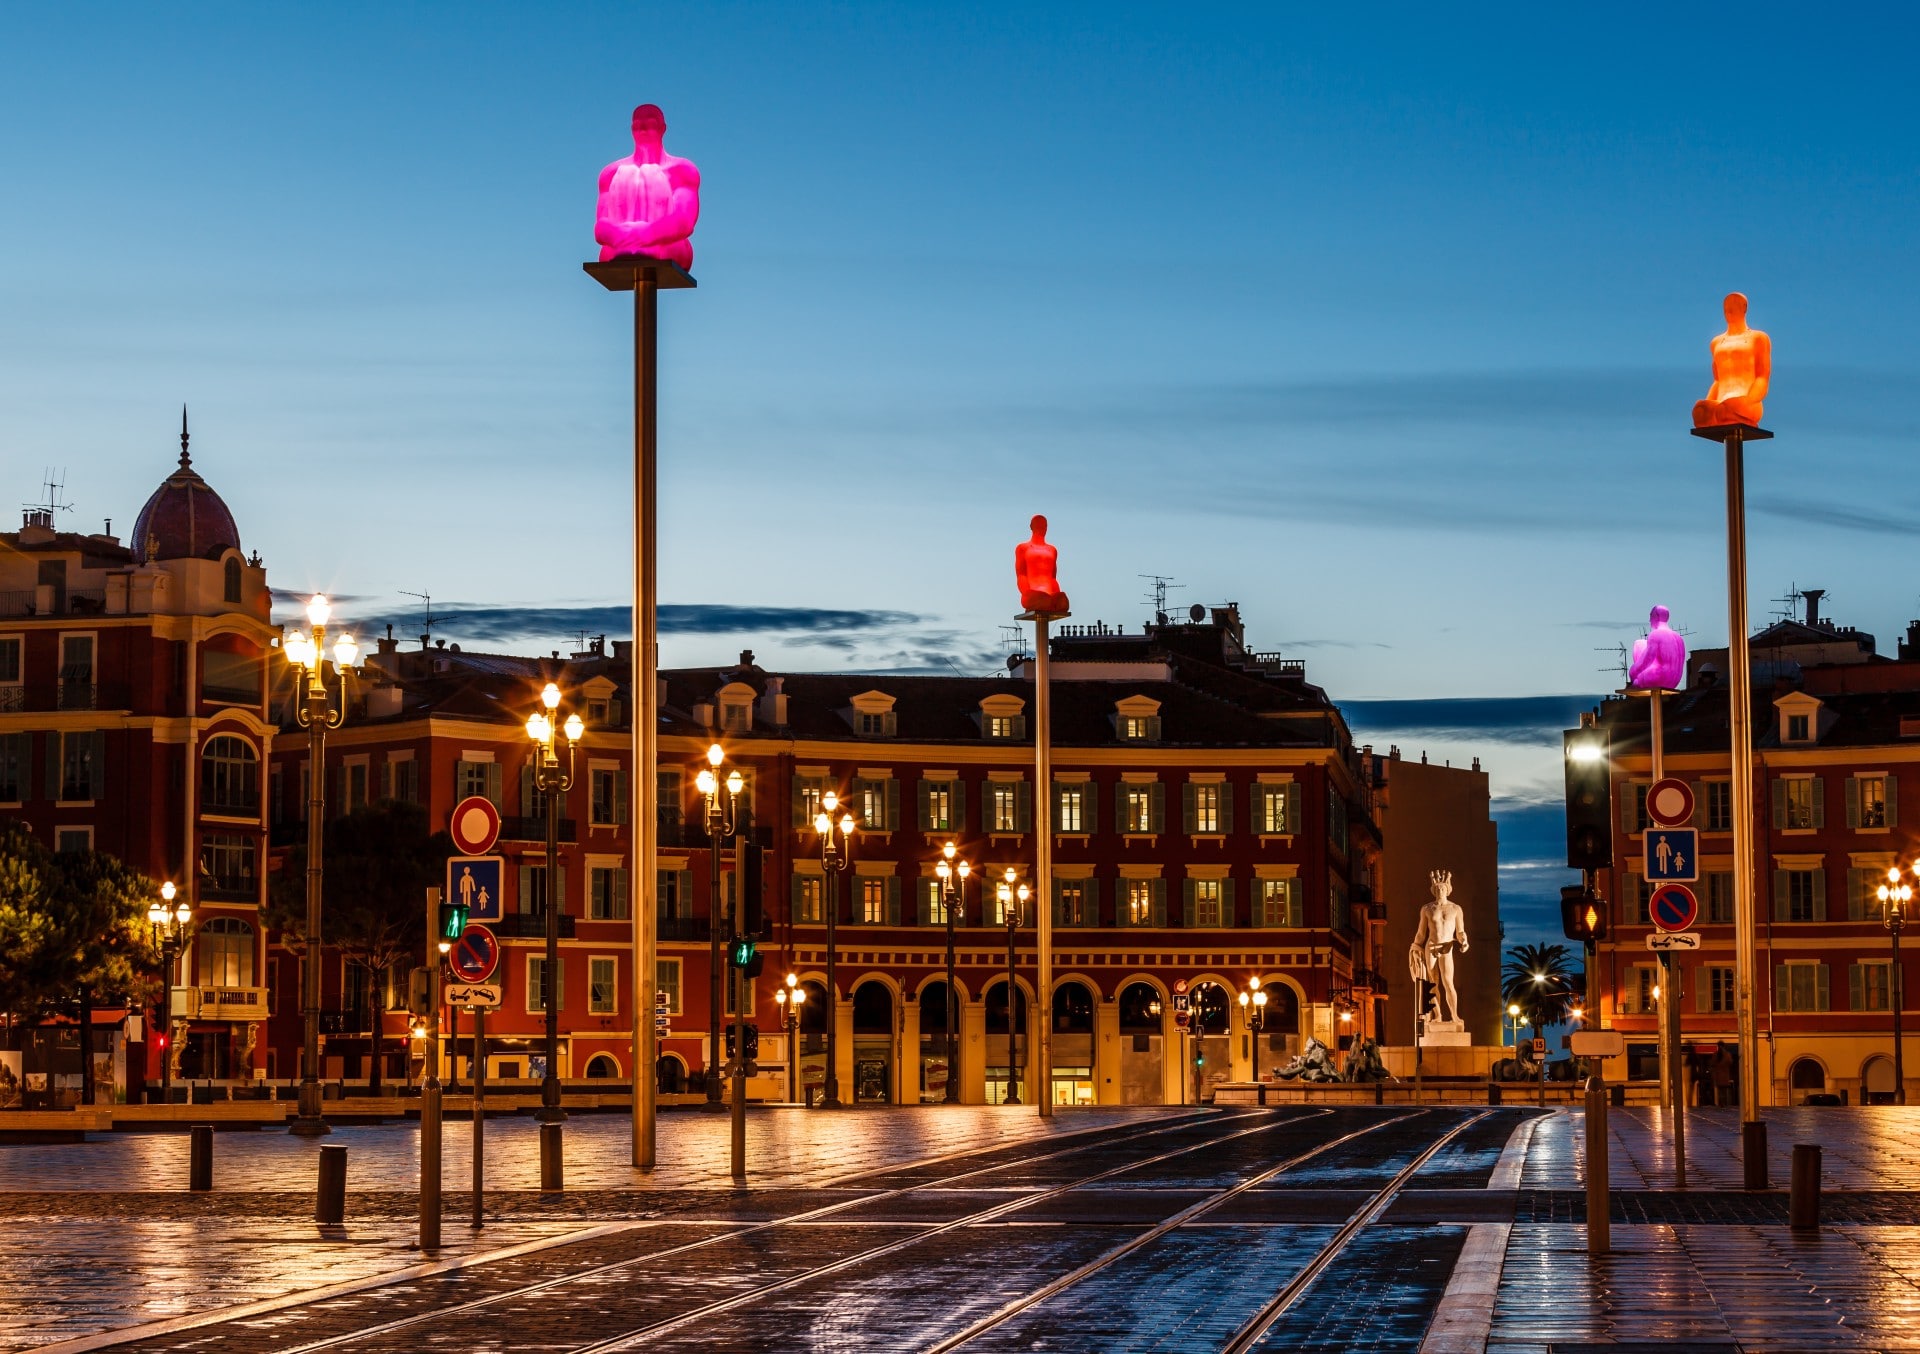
<point>72,925</point>
<point>379,862</point>
<point>1539,980</point>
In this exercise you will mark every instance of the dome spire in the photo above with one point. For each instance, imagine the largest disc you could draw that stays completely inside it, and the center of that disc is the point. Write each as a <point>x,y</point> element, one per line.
<point>186,461</point>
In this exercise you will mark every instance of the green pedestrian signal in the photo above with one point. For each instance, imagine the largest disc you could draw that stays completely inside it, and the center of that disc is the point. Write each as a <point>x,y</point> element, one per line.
<point>740,951</point>
<point>453,920</point>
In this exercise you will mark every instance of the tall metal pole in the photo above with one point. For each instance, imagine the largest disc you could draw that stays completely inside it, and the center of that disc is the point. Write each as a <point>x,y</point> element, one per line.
<point>551,789</point>
<point>478,1069</point>
<point>645,832</point>
<point>1668,993</point>
<point>715,916</point>
<point>1013,1005</point>
<point>1896,995</point>
<point>737,1108</point>
<point>1673,1079</point>
<point>1043,862</point>
<point>831,1100</point>
<point>949,892</point>
<point>1741,694</point>
<point>310,1123</point>
<point>167,956</point>
<point>430,1089</point>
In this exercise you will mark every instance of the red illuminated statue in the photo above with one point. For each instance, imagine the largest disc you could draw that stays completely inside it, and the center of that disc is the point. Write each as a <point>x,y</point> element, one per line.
<point>650,201</point>
<point>1034,562</point>
<point>1742,366</point>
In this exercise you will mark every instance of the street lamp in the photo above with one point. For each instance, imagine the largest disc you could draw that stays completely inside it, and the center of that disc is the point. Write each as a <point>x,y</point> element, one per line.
<point>791,998</point>
<point>552,782</point>
<point>168,922</point>
<point>1894,897</point>
<point>1514,1022</point>
<point>1253,1004</point>
<point>1013,901</point>
<point>953,880</point>
<point>722,819</point>
<point>306,650</point>
<point>836,858</point>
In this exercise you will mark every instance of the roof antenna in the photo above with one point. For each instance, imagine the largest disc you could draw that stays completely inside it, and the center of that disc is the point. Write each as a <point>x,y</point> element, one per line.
<point>186,461</point>
<point>1161,587</point>
<point>53,486</point>
<point>427,630</point>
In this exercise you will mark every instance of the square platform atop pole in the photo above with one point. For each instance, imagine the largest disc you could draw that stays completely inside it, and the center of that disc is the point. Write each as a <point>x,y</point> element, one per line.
<point>1732,432</point>
<point>625,273</point>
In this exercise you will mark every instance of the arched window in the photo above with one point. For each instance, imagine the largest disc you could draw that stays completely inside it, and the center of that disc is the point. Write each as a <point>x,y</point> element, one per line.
<point>1072,1009</point>
<point>1210,1009</point>
<point>1140,1009</point>
<point>224,949</point>
<point>230,777</point>
<point>602,1065</point>
<point>872,1009</point>
<point>1807,1075</point>
<point>233,579</point>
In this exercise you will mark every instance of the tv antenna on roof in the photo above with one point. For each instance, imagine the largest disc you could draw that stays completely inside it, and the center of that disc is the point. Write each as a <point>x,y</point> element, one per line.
<point>426,600</point>
<point>1014,640</point>
<point>1162,585</point>
<point>53,487</point>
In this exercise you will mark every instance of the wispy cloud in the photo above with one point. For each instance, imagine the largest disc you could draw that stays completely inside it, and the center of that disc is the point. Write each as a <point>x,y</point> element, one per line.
<point>1504,719</point>
<point>1834,515</point>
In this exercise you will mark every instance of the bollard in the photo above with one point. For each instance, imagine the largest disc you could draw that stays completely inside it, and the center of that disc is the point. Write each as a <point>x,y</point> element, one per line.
<point>1599,1200</point>
<point>430,1167</point>
<point>1753,1153</point>
<point>550,1161</point>
<point>1379,1092</point>
<point>1803,1195</point>
<point>200,1157</point>
<point>331,1209</point>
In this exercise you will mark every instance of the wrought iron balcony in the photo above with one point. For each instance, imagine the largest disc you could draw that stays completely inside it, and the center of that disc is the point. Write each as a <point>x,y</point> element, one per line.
<point>533,828</point>
<point>529,925</point>
<point>684,928</point>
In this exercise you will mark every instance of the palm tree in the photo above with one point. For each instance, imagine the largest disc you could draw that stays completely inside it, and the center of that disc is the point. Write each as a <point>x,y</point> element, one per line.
<point>1539,980</point>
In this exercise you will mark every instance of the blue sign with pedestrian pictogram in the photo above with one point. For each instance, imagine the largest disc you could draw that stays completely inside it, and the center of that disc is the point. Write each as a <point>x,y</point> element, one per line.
<point>1673,907</point>
<point>1673,855</point>
<point>475,955</point>
<point>473,882</point>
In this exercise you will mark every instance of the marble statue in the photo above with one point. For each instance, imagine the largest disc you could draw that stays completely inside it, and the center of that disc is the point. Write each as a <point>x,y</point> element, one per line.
<point>1742,367</point>
<point>1441,935</point>
<point>1034,562</point>
<point>650,201</point>
<point>1660,659</point>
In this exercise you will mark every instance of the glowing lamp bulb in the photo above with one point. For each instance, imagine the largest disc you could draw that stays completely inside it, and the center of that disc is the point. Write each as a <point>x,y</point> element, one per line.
<point>706,781</point>
<point>944,870</point>
<point>965,869</point>
<point>780,996</point>
<point>1245,998</point>
<point>167,890</point>
<point>550,696</point>
<point>821,823</point>
<point>735,782</point>
<point>799,995</point>
<point>156,914</point>
<point>793,980</point>
<point>299,649</point>
<point>1259,998</point>
<point>1656,992</point>
<point>346,652</point>
<point>537,727</point>
<point>319,609</point>
<point>1513,1010</point>
<point>1254,982</point>
<point>715,755</point>
<point>949,850</point>
<point>576,728</point>
<point>182,913</point>
<point>846,824</point>
<point>1346,1017</point>
<point>829,801</point>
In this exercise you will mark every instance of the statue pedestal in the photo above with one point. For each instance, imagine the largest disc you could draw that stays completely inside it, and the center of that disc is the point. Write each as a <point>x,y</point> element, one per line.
<point>1445,1034</point>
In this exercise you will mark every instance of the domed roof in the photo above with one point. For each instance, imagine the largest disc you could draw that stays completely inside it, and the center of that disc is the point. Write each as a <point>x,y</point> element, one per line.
<point>184,519</point>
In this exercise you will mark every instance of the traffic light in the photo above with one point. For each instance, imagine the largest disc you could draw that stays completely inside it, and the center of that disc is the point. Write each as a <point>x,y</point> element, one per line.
<point>1589,801</point>
<point>1583,914</point>
<point>740,951</point>
<point>750,880</point>
<point>420,992</point>
<point>453,920</point>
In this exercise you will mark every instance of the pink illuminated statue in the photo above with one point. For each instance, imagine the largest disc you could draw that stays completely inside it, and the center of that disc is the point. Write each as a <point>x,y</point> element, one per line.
<point>1659,660</point>
<point>650,201</point>
<point>1742,370</point>
<point>1034,562</point>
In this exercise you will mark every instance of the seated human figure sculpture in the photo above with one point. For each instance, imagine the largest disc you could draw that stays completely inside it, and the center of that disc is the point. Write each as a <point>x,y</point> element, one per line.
<point>1034,562</point>
<point>650,201</point>
<point>1742,367</point>
<point>1659,659</point>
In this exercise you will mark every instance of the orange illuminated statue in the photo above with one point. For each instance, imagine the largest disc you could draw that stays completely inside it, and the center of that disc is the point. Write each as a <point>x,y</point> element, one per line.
<point>1034,562</point>
<point>1742,365</point>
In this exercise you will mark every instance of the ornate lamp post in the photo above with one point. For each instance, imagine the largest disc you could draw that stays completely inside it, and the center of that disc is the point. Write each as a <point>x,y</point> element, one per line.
<point>836,858</point>
<point>1253,1003</point>
<point>316,712</point>
<point>791,998</point>
<point>168,922</point>
<point>1894,897</point>
<point>722,820</point>
<point>552,782</point>
<point>953,880</point>
<point>1013,901</point>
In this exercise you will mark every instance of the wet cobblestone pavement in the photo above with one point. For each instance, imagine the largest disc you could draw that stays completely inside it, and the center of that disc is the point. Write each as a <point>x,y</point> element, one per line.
<point>1349,1228</point>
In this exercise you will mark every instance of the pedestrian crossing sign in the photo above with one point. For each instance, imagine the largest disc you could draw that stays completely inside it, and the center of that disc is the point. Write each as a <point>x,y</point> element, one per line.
<point>1673,855</point>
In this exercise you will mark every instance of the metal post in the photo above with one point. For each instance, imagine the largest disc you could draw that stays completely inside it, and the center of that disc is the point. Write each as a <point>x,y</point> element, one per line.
<point>200,1157</point>
<point>1803,1190</point>
<point>453,1049</point>
<point>330,1207</point>
<point>793,1054</point>
<point>1259,1086</point>
<point>430,1090</point>
<point>167,956</point>
<point>738,1108</point>
<point>1677,1067</point>
<point>830,1098</point>
<point>1599,1199</point>
<point>551,1160</point>
<point>550,783</point>
<point>949,893</point>
<point>1043,863</point>
<point>1741,730</point>
<point>1013,997</point>
<point>714,911</point>
<point>1656,743</point>
<point>1896,997</point>
<point>477,1065</point>
<point>310,1123</point>
<point>645,834</point>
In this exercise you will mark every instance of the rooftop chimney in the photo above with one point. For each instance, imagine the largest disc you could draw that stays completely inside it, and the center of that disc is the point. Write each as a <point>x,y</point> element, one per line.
<point>746,661</point>
<point>1813,596</point>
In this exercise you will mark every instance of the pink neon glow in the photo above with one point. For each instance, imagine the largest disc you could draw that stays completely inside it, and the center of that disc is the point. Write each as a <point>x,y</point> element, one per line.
<point>1034,562</point>
<point>1660,659</point>
<point>650,201</point>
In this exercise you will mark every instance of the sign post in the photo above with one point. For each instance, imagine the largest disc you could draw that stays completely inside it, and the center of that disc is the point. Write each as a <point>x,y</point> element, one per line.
<point>430,1090</point>
<point>470,963</point>
<point>478,1065</point>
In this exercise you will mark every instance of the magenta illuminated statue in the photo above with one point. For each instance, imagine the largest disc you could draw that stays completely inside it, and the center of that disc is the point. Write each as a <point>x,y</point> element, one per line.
<point>650,201</point>
<point>1034,562</point>
<point>1659,660</point>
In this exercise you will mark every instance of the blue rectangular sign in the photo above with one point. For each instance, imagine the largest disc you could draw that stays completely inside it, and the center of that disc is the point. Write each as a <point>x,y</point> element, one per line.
<point>475,881</point>
<point>1673,855</point>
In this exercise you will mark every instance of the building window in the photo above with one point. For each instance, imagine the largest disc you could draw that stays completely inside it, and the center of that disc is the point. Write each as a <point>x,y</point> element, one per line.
<point>1797,726</point>
<point>1871,991</point>
<point>1801,800</point>
<point>875,724</point>
<point>15,750</point>
<point>1141,899</point>
<point>82,766</point>
<point>231,580</point>
<point>807,889</point>
<point>1206,902</point>
<point>224,953</point>
<point>354,773</point>
<point>1073,909</point>
<point>1069,807</point>
<point>1140,808</point>
<point>10,661</point>
<point>609,796</point>
<point>736,717</point>
<point>1139,728</point>
<point>227,866</point>
<point>1206,809</point>
<point>1638,820</point>
<point>533,888</point>
<point>1336,822</point>
<point>230,776</point>
<point>1870,802</point>
<point>1005,799</point>
<point>1280,902</point>
<point>807,791</point>
<point>666,978</point>
<point>70,839</point>
<point>736,981</point>
<point>231,678</point>
<point>76,672</point>
<point>1801,895</point>
<point>1637,997</point>
<point>936,806</point>
<point>402,779</point>
<point>1004,726</point>
<point>477,778</point>
<point>603,992</point>
<point>874,804</point>
<point>873,901</point>
<point>1719,794</point>
<point>607,894</point>
<point>537,984</point>
<point>1799,986</point>
<point>1278,812</point>
<point>1720,897</point>
<point>1718,988</point>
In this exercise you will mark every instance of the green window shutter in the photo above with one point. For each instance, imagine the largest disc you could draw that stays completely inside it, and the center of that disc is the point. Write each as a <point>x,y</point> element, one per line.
<point>1023,806</point>
<point>1059,901</point>
<point>1159,902</point>
<point>1819,801</point>
<point>923,788</point>
<point>1119,801</point>
<point>1259,901</point>
<point>1091,893</point>
<point>1893,800</point>
<point>97,764</point>
<point>560,888</point>
<point>1699,819</point>
<point>526,889</point>
<point>1702,984</point>
<point>959,806</point>
<point>1782,989</point>
<point>893,900</point>
<point>1293,806</point>
<point>495,794</point>
<point>619,796</point>
<point>1186,903</point>
<point>622,893</point>
<point>1780,909</point>
<point>794,897</point>
<point>53,764</point>
<point>1159,820</point>
<point>1820,895</point>
<point>1628,807</point>
<point>1779,803</point>
<point>1226,903</point>
<point>1856,984</point>
<point>1089,808</point>
<point>1822,999</point>
<point>1853,801</point>
<point>526,791</point>
<point>799,801</point>
<point>893,804</point>
<point>685,892</point>
<point>1856,892</point>
<point>1226,806</point>
<point>1186,808</point>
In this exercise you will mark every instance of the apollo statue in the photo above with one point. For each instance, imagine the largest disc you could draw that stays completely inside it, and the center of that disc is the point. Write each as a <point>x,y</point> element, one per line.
<point>1442,934</point>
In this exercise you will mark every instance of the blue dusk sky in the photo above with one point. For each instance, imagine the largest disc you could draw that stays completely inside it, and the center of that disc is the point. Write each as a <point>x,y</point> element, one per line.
<point>1384,322</point>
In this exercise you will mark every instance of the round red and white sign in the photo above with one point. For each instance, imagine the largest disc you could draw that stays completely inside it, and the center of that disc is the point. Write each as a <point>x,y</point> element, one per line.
<point>475,826</point>
<point>1670,802</point>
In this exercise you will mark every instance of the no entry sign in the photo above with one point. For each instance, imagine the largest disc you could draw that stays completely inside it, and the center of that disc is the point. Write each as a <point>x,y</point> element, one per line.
<point>475,825</point>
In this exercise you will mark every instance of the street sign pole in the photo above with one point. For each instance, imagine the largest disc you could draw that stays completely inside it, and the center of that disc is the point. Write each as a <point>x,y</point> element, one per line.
<point>430,1091</point>
<point>478,1064</point>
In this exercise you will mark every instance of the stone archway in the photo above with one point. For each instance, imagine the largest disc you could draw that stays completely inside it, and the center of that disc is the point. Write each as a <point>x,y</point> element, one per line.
<point>1143,1044</point>
<point>873,1069</point>
<point>1073,1043</point>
